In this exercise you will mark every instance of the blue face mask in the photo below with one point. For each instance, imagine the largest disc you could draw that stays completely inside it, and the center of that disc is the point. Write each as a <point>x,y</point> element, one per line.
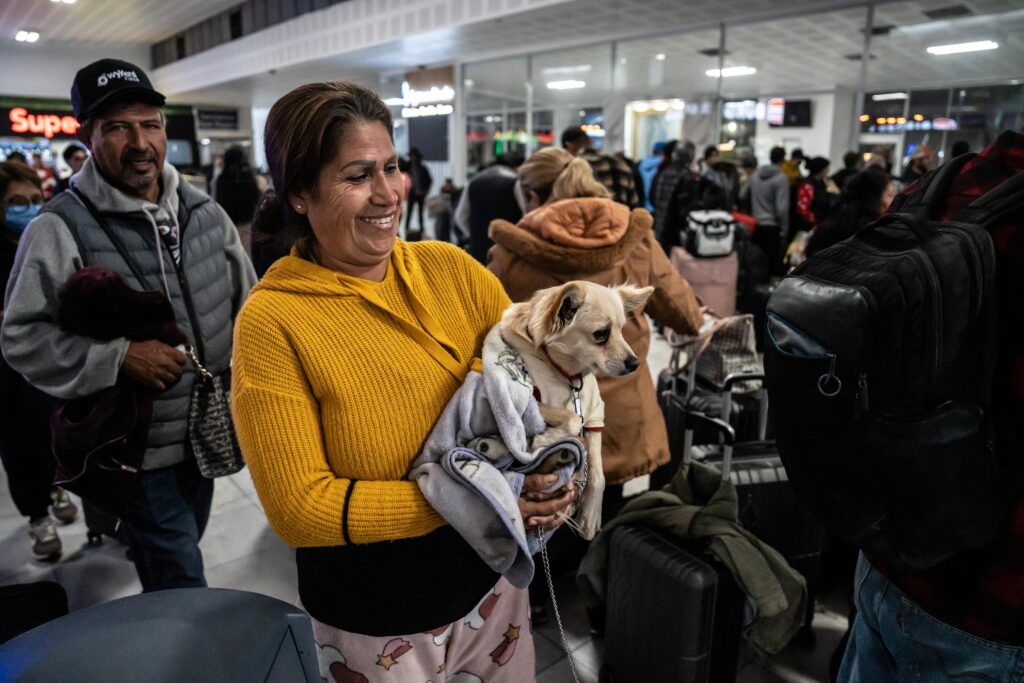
<point>17,218</point>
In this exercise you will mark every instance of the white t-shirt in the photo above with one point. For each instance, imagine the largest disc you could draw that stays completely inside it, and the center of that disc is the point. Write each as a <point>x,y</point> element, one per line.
<point>555,391</point>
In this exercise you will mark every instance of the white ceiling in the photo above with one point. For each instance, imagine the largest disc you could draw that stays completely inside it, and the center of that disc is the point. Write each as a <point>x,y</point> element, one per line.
<point>105,21</point>
<point>793,54</point>
<point>797,46</point>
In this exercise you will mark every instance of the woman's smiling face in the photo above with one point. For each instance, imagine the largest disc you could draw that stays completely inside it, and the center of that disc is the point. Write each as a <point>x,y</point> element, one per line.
<point>358,203</point>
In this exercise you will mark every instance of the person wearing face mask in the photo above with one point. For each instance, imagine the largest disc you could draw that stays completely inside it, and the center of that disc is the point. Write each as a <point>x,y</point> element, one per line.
<point>25,434</point>
<point>130,212</point>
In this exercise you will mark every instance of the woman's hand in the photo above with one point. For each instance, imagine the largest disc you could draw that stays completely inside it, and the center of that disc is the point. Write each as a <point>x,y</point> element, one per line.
<point>541,509</point>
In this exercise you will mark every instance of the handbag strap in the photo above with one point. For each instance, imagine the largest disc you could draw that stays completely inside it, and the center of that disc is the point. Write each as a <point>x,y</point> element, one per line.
<point>190,351</point>
<point>113,237</point>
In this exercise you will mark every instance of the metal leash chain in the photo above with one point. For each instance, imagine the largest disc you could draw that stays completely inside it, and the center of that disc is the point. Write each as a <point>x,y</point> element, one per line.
<point>554,603</point>
<point>190,351</point>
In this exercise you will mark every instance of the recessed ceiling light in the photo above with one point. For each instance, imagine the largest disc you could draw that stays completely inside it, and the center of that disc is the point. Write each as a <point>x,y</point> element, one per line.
<point>660,56</point>
<point>566,85</point>
<point>957,48</point>
<point>730,71</point>
<point>66,2</point>
<point>26,36</point>
<point>883,96</point>
<point>622,60</point>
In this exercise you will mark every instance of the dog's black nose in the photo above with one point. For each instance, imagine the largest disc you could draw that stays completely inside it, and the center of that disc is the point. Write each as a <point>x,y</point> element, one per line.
<point>632,363</point>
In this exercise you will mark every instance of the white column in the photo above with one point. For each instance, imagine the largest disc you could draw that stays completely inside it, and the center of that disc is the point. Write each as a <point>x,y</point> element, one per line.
<point>457,129</point>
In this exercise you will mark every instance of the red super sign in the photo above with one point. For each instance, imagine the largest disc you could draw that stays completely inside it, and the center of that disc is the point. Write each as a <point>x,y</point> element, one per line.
<point>47,125</point>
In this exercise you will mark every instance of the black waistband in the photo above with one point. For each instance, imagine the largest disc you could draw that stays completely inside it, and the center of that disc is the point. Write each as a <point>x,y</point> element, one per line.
<point>393,588</point>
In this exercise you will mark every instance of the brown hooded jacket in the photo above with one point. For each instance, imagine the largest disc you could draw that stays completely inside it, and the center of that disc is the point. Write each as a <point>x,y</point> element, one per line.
<point>604,242</point>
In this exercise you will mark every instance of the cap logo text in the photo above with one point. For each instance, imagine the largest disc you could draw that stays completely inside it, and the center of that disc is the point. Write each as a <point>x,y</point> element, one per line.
<point>120,73</point>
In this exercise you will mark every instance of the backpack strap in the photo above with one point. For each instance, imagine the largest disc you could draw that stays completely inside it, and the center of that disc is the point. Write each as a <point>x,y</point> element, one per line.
<point>112,236</point>
<point>931,190</point>
<point>995,204</point>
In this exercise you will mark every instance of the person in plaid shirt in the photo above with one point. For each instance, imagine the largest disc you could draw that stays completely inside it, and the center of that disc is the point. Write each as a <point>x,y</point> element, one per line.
<point>963,619</point>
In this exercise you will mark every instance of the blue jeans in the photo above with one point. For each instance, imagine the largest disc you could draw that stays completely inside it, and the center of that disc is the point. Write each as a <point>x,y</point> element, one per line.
<point>167,518</point>
<point>894,640</point>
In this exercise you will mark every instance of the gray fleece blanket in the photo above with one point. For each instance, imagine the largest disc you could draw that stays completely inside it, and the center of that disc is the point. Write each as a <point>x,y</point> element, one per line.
<point>472,466</point>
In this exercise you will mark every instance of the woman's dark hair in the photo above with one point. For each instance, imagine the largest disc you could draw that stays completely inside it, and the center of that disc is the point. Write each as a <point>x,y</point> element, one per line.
<point>236,188</point>
<point>859,204</point>
<point>15,172</point>
<point>304,131</point>
<point>710,151</point>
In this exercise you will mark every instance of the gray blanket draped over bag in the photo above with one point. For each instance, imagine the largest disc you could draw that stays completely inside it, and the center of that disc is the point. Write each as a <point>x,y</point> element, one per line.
<point>477,493</point>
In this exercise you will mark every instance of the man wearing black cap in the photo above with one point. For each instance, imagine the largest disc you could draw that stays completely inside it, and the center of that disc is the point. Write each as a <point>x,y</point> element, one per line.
<point>130,212</point>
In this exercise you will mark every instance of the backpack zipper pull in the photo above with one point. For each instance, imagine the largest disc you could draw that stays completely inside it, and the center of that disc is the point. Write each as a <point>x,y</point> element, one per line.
<point>862,391</point>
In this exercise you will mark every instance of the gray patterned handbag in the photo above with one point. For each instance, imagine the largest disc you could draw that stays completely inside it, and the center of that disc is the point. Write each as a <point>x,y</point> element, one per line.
<point>211,432</point>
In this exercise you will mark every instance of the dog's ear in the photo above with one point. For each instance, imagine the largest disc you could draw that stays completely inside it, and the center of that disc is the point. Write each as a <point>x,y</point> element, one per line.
<point>633,297</point>
<point>560,306</point>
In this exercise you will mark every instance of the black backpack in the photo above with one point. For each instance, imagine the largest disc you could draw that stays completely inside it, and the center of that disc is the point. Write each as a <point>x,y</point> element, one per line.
<point>879,363</point>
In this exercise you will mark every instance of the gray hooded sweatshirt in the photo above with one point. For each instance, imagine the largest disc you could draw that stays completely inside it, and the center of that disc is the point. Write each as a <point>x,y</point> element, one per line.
<point>70,366</point>
<point>769,197</point>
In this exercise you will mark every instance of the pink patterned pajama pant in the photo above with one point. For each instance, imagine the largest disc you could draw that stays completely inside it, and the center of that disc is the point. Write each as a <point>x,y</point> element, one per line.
<point>491,644</point>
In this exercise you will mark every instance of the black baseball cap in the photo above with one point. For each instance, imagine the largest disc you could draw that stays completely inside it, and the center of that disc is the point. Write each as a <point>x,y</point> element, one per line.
<point>110,80</point>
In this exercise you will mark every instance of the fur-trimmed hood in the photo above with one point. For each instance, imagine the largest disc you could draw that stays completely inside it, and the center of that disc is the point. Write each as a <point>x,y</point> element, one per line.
<point>585,235</point>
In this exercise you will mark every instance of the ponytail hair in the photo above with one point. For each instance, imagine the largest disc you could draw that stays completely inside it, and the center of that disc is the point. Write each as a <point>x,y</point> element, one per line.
<point>553,173</point>
<point>304,131</point>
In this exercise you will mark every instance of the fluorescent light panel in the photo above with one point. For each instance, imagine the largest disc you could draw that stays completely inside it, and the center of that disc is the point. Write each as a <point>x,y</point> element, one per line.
<point>566,85</point>
<point>883,96</point>
<point>26,36</point>
<point>730,71</point>
<point>958,48</point>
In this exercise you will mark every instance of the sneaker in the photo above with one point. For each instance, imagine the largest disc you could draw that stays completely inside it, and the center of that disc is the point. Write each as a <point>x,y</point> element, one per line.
<point>64,508</point>
<point>45,541</point>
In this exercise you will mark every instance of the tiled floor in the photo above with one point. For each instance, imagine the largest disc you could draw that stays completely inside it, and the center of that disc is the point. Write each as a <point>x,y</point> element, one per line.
<point>242,552</point>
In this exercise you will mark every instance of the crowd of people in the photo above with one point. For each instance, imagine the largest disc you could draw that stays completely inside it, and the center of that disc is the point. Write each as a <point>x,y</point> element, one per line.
<point>339,317</point>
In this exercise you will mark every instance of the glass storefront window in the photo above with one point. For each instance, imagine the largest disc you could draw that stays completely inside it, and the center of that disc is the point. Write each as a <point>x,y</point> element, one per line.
<point>982,113</point>
<point>496,101</point>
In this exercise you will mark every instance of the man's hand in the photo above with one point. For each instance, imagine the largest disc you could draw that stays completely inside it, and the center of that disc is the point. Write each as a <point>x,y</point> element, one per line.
<point>153,364</point>
<point>541,509</point>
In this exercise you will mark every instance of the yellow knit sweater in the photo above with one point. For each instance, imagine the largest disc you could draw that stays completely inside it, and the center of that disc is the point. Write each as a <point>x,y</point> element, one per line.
<point>333,396</point>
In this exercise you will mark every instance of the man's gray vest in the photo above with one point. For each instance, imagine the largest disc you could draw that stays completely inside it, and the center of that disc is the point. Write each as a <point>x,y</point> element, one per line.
<point>200,292</point>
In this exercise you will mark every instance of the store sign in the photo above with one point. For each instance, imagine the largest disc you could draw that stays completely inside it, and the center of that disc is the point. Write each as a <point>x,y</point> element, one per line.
<point>217,119</point>
<point>427,110</point>
<point>744,110</point>
<point>428,102</point>
<point>33,123</point>
<point>898,124</point>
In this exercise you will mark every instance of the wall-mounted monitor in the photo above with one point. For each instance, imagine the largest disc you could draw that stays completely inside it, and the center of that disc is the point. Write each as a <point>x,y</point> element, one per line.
<point>794,114</point>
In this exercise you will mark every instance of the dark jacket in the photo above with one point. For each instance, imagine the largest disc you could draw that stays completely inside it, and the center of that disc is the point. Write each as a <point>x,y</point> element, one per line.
<point>675,193</point>
<point>108,429</point>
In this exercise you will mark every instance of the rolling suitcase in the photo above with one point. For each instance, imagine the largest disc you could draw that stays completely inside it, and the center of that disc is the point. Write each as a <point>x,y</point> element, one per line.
<point>672,614</point>
<point>713,279</point>
<point>769,507</point>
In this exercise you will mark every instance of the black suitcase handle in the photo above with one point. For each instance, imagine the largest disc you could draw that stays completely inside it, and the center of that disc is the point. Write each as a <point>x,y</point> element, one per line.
<point>727,436</point>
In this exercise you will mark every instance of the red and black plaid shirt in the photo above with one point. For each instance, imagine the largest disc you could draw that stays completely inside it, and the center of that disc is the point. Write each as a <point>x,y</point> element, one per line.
<point>982,592</point>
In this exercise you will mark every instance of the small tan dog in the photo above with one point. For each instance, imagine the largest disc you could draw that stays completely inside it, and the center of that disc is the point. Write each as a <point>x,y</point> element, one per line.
<point>566,335</point>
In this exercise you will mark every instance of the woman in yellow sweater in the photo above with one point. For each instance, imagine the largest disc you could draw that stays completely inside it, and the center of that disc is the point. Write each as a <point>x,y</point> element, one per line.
<point>345,355</point>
